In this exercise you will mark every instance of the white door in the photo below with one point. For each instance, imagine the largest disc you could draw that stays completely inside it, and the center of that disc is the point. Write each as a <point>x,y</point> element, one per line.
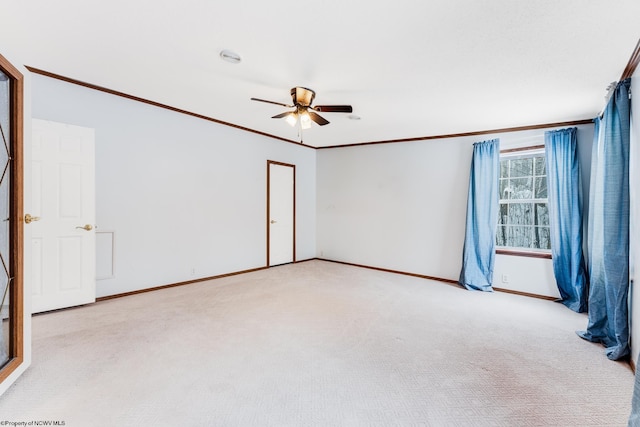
<point>281,201</point>
<point>63,204</point>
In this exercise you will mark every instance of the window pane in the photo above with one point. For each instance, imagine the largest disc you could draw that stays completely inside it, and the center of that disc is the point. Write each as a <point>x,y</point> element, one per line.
<point>521,188</point>
<point>541,215</point>
<point>521,167</point>
<point>541,187</point>
<point>503,217</point>
<point>5,214</point>
<point>505,190</point>
<point>540,166</point>
<point>521,214</point>
<point>501,235</point>
<point>543,238</point>
<point>504,168</point>
<point>519,237</point>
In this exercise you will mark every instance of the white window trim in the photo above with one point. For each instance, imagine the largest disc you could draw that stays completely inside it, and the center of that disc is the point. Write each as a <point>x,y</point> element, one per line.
<point>516,250</point>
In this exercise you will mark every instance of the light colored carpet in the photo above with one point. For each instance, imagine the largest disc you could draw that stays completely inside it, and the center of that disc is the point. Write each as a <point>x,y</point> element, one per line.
<point>319,344</point>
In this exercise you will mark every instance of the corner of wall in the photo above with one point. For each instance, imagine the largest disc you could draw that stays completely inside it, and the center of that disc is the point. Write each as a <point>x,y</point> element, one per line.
<point>634,237</point>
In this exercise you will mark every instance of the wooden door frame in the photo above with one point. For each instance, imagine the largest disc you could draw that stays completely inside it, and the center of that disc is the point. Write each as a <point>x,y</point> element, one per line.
<point>16,231</point>
<point>269,163</point>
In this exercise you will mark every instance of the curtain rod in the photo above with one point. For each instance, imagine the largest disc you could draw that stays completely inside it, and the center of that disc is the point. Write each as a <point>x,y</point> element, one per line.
<point>632,64</point>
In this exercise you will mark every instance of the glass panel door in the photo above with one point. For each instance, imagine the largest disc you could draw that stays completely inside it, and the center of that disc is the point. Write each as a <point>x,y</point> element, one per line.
<point>5,177</point>
<point>11,225</point>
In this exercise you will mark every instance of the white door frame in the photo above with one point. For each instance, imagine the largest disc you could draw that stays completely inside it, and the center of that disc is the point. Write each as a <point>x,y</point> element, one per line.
<point>269,163</point>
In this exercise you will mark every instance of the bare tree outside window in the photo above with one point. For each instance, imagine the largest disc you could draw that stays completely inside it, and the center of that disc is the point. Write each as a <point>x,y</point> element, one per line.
<point>523,220</point>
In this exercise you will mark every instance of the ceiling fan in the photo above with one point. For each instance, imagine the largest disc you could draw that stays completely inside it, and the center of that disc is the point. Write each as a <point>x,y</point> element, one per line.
<point>304,111</point>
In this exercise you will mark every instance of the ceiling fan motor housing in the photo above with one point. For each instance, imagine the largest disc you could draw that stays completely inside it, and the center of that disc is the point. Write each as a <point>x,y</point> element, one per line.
<point>302,96</point>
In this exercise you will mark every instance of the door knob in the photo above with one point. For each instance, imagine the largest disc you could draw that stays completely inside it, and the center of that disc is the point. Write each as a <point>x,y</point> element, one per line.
<point>273,221</point>
<point>87,227</point>
<point>28,219</point>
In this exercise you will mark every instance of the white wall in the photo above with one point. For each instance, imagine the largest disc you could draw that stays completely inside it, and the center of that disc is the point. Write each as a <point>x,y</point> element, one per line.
<point>402,207</point>
<point>185,197</point>
<point>634,189</point>
<point>394,206</point>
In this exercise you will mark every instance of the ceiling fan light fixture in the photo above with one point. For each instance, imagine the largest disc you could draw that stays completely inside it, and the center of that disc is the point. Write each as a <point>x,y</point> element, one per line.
<point>230,56</point>
<point>292,119</point>
<point>305,120</point>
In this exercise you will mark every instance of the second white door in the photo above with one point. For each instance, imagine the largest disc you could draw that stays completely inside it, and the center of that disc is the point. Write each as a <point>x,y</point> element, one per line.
<point>281,208</point>
<point>63,216</point>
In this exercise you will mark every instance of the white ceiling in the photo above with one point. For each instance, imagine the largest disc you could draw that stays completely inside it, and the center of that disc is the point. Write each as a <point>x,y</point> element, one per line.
<point>409,68</point>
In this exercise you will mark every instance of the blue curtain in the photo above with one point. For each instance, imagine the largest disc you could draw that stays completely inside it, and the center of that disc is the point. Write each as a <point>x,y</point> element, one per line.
<point>478,254</point>
<point>634,417</point>
<point>565,217</point>
<point>608,249</point>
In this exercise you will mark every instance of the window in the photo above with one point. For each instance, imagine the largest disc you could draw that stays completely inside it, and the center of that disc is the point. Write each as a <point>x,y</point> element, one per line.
<point>523,221</point>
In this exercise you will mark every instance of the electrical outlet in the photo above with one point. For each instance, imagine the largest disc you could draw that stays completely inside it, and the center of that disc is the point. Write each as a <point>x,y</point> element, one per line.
<point>505,278</point>
<point>193,271</point>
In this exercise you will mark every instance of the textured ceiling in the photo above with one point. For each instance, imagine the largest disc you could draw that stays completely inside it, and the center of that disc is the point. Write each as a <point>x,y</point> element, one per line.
<point>409,68</point>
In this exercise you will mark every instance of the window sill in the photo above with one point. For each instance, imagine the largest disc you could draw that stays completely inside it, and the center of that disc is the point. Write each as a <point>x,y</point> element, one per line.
<point>529,254</point>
